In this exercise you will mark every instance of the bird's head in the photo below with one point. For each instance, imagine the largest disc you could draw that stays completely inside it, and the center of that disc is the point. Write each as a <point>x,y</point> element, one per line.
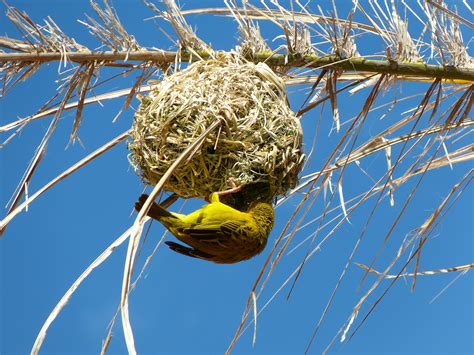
<point>263,212</point>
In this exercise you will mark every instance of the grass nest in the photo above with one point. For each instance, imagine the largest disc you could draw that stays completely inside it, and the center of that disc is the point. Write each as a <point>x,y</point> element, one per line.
<point>257,145</point>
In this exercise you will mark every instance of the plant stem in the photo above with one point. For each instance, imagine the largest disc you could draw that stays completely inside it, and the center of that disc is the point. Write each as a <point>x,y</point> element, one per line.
<point>464,75</point>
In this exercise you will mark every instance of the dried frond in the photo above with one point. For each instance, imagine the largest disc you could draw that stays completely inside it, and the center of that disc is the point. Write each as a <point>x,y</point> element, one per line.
<point>15,44</point>
<point>400,45</point>
<point>98,152</point>
<point>22,122</point>
<point>43,38</point>
<point>137,227</point>
<point>424,230</point>
<point>11,73</point>
<point>38,38</point>
<point>110,32</point>
<point>188,39</point>
<point>82,89</point>
<point>338,34</point>
<point>69,86</point>
<point>296,34</point>
<point>251,40</point>
<point>255,13</point>
<point>446,35</point>
<point>420,273</point>
<point>66,297</point>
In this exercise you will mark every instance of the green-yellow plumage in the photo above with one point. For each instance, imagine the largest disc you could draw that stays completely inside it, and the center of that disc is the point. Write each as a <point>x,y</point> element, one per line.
<point>217,232</point>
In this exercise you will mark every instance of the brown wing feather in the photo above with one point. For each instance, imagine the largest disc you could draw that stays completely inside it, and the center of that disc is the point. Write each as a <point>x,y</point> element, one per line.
<point>215,232</point>
<point>184,250</point>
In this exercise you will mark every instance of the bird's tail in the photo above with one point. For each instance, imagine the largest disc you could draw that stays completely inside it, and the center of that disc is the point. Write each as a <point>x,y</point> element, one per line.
<point>156,211</point>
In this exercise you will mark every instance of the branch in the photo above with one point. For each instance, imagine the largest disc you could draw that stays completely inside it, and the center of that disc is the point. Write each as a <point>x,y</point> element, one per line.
<point>419,70</point>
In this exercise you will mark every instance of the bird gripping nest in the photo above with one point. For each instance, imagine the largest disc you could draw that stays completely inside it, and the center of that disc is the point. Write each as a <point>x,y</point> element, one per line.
<point>257,145</point>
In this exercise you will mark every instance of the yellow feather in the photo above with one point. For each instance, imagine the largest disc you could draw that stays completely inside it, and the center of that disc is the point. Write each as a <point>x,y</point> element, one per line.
<point>217,232</point>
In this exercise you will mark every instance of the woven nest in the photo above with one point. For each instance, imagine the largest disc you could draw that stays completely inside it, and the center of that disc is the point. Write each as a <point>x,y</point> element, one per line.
<point>258,142</point>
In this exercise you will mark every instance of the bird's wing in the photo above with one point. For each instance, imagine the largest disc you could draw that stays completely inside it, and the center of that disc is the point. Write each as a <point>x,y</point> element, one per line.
<point>218,231</point>
<point>184,250</point>
<point>235,228</point>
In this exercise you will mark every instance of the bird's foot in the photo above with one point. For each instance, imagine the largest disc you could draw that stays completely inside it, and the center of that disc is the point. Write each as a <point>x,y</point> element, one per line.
<point>233,188</point>
<point>214,197</point>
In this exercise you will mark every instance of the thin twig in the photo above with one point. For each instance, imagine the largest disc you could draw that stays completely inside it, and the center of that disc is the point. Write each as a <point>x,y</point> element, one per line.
<point>98,152</point>
<point>136,232</point>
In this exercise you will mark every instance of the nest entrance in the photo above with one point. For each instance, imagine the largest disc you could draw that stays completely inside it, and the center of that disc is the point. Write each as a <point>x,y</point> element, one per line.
<point>257,144</point>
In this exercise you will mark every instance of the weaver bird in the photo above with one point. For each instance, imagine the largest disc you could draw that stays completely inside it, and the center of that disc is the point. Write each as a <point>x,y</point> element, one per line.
<point>217,232</point>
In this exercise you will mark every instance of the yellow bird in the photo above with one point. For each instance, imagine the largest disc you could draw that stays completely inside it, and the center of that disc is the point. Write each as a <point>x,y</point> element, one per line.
<point>217,232</point>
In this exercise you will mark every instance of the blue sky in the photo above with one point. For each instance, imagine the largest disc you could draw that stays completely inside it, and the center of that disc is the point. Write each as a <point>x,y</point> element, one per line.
<point>184,305</point>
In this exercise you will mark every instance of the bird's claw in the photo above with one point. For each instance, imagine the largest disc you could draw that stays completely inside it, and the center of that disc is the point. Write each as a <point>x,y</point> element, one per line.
<point>234,188</point>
